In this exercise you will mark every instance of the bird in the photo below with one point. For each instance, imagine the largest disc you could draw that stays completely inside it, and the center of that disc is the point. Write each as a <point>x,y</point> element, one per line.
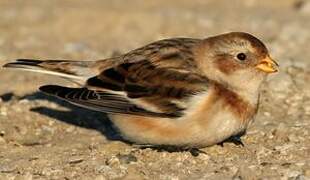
<point>180,92</point>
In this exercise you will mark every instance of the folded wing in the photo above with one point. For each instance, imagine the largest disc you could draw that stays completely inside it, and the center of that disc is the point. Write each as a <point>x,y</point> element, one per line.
<point>155,80</point>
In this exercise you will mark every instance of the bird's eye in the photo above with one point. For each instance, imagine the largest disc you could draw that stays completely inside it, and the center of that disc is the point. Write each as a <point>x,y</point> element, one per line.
<point>241,56</point>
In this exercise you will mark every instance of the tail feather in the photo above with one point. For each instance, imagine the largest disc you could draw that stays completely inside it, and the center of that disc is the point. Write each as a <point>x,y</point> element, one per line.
<point>19,63</point>
<point>74,70</point>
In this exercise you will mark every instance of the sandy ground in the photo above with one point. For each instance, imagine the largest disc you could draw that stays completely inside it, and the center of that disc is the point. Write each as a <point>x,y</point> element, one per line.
<point>44,138</point>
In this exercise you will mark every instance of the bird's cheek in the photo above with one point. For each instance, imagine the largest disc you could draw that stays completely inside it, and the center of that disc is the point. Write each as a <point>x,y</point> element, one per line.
<point>227,67</point>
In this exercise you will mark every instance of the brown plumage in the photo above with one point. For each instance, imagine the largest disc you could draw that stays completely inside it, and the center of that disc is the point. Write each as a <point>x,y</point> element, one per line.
<point>181,92</point>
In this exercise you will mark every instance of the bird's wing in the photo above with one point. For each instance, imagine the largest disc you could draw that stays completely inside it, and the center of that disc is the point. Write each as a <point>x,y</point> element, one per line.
<point>155,80</point>
<point>99,101</point>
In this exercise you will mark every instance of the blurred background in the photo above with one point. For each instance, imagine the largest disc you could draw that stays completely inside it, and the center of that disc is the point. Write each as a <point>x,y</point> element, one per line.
<point>42,137</point>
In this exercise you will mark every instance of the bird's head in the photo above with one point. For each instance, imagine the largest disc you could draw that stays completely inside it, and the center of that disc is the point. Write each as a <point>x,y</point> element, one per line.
<point>238,60</point>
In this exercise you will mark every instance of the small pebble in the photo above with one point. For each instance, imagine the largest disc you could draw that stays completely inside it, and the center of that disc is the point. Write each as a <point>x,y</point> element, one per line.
<point>76,161</point>
<point>126,158</point>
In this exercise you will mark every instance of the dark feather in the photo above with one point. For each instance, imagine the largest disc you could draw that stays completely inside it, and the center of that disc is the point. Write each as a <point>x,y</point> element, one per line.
<point>100,101</point>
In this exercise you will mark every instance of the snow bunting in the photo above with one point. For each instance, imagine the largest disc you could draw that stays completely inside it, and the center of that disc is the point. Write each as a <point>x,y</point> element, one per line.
<point>180,92</point>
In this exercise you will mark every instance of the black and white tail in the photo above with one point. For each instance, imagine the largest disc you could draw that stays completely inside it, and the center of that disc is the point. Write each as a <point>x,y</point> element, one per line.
<point>77,71</point>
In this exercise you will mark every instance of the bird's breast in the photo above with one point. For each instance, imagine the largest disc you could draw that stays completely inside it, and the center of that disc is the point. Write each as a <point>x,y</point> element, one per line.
<point>218,101</point>
<point>218,114</point>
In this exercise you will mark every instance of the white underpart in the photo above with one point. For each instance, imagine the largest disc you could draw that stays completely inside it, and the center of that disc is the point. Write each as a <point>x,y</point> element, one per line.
<point>206,129</point>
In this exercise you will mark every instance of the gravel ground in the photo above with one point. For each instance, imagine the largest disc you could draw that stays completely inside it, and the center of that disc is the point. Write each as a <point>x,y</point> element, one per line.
<point>44,138</point>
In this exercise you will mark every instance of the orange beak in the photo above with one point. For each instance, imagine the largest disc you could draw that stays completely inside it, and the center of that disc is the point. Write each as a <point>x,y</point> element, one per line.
<point>268,65</point>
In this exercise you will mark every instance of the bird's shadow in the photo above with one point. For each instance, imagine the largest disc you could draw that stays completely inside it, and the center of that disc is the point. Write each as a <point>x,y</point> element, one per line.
<point>72,114</point>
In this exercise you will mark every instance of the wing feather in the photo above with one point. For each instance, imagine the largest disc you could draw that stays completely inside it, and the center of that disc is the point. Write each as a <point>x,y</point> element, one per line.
<point>163,75</point>
<point>99,101</point>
